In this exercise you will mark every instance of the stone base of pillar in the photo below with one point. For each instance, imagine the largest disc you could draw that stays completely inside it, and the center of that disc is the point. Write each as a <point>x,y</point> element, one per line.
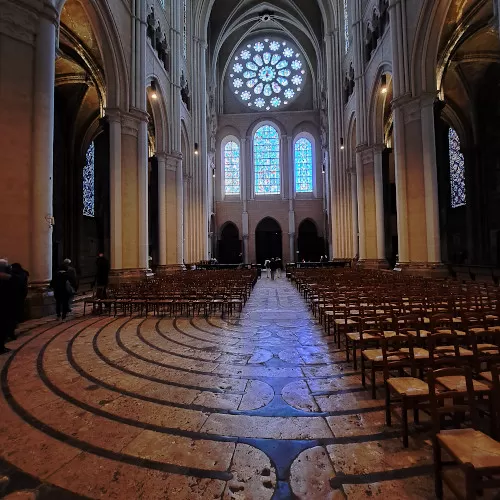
<point>426,269</point>
<point>168,269</point>
<point>40,302</point>
<point>373,264</point>
<point>117,276</point>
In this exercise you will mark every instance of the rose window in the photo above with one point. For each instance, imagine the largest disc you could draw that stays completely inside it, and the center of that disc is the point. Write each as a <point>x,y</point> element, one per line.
<point>267,73</point>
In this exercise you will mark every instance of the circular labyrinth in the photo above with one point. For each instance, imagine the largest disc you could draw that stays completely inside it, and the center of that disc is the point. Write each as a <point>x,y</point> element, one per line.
<point>257,407</point>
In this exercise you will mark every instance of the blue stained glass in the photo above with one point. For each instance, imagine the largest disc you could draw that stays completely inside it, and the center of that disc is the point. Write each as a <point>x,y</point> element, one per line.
<point>303,160</point>
<point>266,152</point>
<point>346,26</point>
<point>88,183</point>
<point>231,168</point>
<point>457,170</point>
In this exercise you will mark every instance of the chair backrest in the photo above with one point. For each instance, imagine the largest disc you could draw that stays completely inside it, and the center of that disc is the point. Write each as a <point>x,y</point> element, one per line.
<point>398,354</point>
<point>450,402</point>
<point>438,355</point>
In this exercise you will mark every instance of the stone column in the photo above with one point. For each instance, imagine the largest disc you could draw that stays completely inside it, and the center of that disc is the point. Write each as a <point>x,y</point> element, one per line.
<point>180,212</point>
<point>354,202</point>
<point>43,147</point>
<point>162,208</point>
<point>360,175</point>
<point>379,201</point>
<point>430,179</point>
<point>115,187</point>
<point>142,187</point>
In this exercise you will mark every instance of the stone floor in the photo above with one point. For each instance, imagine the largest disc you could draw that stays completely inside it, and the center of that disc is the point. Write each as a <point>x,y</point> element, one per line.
<point>258,407</point>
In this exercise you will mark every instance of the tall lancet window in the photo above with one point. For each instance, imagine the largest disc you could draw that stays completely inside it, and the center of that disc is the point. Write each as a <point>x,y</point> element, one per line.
<point>303,161</point>
<point>88,182</point>
<point>346,26</point>
<point>266,156</point>
<point>457,170</point>
<point>184,29</point>
<point>231,168</point>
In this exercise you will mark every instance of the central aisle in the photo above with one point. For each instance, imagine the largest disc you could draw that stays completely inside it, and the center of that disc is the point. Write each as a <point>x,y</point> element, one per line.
<point>255,407</point>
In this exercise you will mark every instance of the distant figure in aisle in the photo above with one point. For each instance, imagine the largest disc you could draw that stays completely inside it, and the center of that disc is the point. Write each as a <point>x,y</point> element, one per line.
<point>101,276</point>
<point>267,265</point>
<point>63,291</point>
<point>273,267</point>
<point>279,267</point>
<point>7,305</point>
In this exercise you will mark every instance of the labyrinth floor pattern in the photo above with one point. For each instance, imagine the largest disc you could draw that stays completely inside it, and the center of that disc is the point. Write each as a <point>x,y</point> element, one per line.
<point>258,407</point>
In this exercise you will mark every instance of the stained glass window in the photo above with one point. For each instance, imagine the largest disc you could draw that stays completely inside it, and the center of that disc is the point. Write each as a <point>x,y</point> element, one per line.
<point>457,170</point>
<point>184,29</point>
<point>346,26</point>
<point>266,153</point>
<point>267,73</point>
<point>162,3</point>
<point>303,161</point>
<point>231,168</point>
<point>88,182</point>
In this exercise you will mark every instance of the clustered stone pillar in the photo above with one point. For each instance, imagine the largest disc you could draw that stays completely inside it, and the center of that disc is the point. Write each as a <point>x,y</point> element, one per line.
<point>43,147</point>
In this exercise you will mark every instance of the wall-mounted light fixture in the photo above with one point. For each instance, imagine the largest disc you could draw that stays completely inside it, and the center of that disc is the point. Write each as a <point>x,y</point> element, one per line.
<point>154,95</point>
<point>196,148</point>
<point>213,173</point>
<point>342,144</point>
<point>383,84</point>
<point>323,169</point>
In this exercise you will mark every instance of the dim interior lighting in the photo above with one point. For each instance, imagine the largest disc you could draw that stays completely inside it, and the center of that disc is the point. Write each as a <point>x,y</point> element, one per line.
<point>195,148</point>
<point>383,84</point>
<point>323,169</point>
<point>213,173</point>
<point>154,95</point>
<point>342,144</point>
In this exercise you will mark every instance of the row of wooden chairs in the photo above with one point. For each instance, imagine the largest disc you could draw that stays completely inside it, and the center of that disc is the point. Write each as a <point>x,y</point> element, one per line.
<point>179,294</point>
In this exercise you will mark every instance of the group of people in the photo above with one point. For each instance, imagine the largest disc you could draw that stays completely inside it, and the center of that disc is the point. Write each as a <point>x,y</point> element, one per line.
<point>273,266</point>
<point>13,292</point>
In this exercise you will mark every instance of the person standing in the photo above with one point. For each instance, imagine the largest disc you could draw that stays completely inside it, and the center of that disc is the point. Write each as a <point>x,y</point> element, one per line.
<point>267,265</point>
<point>101,276</point>
<point>273,268</point>
<point>21,276</point>
<point>62,291</point>
<point>73,281</point>
<point>7,305</point>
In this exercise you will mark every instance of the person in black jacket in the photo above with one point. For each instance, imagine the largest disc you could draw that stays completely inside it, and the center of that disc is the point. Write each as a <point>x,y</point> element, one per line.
<point>7,305</point>
<point>62,291</point>
<point>73,281</point>
<point>21,289</point>
<point>101,276</point>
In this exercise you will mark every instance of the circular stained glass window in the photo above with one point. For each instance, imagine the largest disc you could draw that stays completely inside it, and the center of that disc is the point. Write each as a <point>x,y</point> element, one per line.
<point>267,73</point>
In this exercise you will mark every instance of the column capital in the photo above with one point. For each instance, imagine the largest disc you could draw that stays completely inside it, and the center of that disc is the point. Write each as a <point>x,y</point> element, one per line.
<point>365,153</point>
<point>173,161</point>
<point>113,114</point>
<point>19,20</point>
<point>411,106</point>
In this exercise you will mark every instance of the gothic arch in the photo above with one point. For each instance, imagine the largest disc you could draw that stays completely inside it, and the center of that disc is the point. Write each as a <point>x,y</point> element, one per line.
<point>379,103</point>
<point>108,40</point>
<point>159,109</point>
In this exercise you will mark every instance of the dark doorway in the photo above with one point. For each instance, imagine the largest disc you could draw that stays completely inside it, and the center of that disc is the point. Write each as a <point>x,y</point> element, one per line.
<point>230,245</point>
<point>268,243</point>
<point>309,245</point>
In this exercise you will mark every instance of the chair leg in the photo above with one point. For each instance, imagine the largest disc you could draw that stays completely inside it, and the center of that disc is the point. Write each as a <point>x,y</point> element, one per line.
<point>363,378</point>
<point>354,357</point>
<point>388,416</point>
<point>470,483</point>
<point>374,388</point>
<point>438,468</point>
<point>404,419</point>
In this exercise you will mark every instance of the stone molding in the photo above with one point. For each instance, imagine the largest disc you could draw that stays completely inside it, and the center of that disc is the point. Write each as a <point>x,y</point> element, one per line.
<point>19,21</point>
<point>412,107</point>
<point>373,264</point>
<point>431,269</point>
<point>365,153</point>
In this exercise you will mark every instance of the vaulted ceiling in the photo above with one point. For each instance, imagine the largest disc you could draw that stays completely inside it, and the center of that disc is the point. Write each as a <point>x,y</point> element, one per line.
<point>231,23</point>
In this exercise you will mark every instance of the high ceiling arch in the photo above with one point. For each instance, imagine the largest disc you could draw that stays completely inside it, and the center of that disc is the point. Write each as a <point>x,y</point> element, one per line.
<point>226,25</point>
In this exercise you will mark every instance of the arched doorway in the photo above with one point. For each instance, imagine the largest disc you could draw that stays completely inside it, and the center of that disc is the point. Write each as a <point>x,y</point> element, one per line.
<point>268,242</point>
<point>230,245</point>
<point>310,246</point>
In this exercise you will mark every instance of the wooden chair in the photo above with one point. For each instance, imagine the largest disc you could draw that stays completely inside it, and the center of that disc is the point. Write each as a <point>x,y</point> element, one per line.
<point>406,390</point>
<point>474,453</point>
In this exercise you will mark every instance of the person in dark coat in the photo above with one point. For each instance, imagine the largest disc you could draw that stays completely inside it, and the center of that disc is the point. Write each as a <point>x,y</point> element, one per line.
<point>22,289</point>
<point>273,268</point>
<point>73,281</point>
<point>7,305</point>
<point>62,291</point>
<point>101,276</point>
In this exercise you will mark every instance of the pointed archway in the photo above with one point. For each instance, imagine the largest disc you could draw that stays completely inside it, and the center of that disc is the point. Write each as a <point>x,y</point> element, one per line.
<point>268,240</point>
